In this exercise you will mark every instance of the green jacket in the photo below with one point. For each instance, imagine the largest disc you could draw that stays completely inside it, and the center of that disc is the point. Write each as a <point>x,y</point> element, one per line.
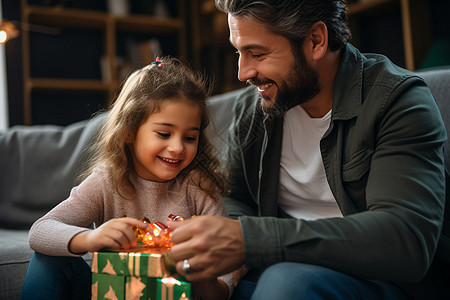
<point>384,160</point>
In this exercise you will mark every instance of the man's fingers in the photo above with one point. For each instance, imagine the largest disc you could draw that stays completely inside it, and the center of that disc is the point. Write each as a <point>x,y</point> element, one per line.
<point>211,244</point>
<point>198,272</point>
<point>181,231</point>
<point>187,238</point>
<point>196,263</point>
<point>183,251</point>
<point>175,224</point>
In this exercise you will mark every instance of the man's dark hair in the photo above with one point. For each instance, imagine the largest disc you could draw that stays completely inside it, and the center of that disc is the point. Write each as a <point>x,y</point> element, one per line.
<point>293,19</point>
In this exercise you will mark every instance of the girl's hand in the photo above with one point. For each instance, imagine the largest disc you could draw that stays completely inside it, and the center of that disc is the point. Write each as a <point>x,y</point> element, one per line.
<point>114,234</point>
<point>211,289</point>
<point>238,274</point>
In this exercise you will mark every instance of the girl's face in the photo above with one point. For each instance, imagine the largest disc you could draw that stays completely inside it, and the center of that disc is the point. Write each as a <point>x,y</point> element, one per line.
<point>167,141</point>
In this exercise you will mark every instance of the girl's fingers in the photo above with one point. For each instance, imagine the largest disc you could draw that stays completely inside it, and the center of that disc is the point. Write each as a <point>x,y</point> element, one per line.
<point>115,239</point>
<point>119,232</point>
<point>132,222</point>
<point>129,233</point>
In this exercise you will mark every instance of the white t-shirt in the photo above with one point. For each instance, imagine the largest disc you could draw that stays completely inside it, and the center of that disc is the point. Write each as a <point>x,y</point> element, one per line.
<point>304,192</point>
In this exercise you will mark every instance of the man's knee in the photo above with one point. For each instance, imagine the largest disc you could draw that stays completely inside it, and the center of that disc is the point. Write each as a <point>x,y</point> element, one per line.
<point>291,279</point>
<point>303,281</point>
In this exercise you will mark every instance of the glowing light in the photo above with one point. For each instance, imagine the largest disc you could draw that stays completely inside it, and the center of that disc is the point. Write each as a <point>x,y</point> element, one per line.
<point>7,31</point>
<point>157,234</point>
<point>3,36</point>
<point>170,281</point>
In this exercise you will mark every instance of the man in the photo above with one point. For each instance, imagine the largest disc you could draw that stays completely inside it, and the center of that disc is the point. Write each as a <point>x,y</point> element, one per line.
<point>337,179</point>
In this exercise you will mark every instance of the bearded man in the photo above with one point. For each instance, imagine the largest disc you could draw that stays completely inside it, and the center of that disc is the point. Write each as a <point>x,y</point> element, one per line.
<point>337,176</point>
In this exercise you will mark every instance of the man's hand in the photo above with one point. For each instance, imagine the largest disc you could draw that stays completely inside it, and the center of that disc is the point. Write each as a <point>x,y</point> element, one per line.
<point>114,234</point>
<point>213,246</point>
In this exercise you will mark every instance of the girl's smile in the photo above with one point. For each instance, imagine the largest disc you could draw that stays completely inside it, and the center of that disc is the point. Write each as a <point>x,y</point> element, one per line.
<point>170,162</point>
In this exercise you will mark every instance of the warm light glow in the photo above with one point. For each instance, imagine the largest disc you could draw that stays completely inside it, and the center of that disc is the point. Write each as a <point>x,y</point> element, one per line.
<point>170,281</point>
<point>7,31</point>
<point>154,235</point>
<point>3,36</point>
<point>147,237</point>
<point>156,232</point>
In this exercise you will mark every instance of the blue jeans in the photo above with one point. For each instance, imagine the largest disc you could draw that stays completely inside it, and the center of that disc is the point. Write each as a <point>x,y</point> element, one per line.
<point>57,277</point>
<point>302,281</point>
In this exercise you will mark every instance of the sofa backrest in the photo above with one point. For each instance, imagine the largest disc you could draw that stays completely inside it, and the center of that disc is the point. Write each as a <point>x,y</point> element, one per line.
<point>38,167</point>
<point>39,164</point>
<point>438,80</point>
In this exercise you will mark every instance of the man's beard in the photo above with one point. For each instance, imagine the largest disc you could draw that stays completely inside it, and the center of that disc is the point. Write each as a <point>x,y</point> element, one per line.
<point>300,86</point>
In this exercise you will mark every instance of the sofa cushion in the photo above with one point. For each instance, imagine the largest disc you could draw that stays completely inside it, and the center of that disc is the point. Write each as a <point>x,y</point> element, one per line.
<point>14,259</point>
<point>38,167</point>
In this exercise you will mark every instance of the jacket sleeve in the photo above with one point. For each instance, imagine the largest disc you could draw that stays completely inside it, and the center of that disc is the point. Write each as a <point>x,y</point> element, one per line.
<point>394,237</point>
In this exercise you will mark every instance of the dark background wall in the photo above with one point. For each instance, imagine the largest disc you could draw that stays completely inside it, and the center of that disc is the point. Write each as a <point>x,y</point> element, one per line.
<point>380,35</point>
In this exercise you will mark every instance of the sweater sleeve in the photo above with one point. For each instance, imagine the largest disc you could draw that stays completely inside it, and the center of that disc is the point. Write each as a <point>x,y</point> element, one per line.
<point>52,233</point>
<point>228,279</point>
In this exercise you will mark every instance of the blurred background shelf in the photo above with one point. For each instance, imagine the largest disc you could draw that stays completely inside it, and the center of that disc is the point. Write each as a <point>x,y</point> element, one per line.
<point>78,53</point>
<point>68,84</point>
<point>401,29</point>
<point>72,55</point>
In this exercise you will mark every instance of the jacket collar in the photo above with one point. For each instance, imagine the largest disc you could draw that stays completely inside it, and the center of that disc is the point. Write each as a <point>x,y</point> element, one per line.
<point>348,84</point>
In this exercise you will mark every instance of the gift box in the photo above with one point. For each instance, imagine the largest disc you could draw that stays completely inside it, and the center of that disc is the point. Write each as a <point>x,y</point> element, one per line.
<point>141,273</point>
<point>170,288</point>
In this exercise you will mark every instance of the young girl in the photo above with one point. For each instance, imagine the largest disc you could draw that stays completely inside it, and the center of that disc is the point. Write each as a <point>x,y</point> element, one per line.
<point>151,159</point>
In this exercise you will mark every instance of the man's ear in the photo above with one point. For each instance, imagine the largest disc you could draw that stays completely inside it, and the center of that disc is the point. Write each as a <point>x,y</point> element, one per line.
<point>319,40</point>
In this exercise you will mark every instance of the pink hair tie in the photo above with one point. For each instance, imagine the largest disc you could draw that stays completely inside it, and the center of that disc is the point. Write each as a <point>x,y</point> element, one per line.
<point>157,62</point>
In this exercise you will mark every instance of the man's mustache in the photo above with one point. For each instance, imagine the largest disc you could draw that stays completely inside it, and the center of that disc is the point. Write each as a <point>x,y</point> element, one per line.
<point>256,81</point>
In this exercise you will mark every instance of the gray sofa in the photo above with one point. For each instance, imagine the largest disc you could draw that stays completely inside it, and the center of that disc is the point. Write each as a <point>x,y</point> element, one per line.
<point>38,165</point>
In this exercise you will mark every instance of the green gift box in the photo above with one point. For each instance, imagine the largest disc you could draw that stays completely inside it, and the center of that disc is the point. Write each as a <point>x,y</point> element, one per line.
<point>141,273</point>
<point>173,289</point>
<point>140,261</point>
<point>105,286</point>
